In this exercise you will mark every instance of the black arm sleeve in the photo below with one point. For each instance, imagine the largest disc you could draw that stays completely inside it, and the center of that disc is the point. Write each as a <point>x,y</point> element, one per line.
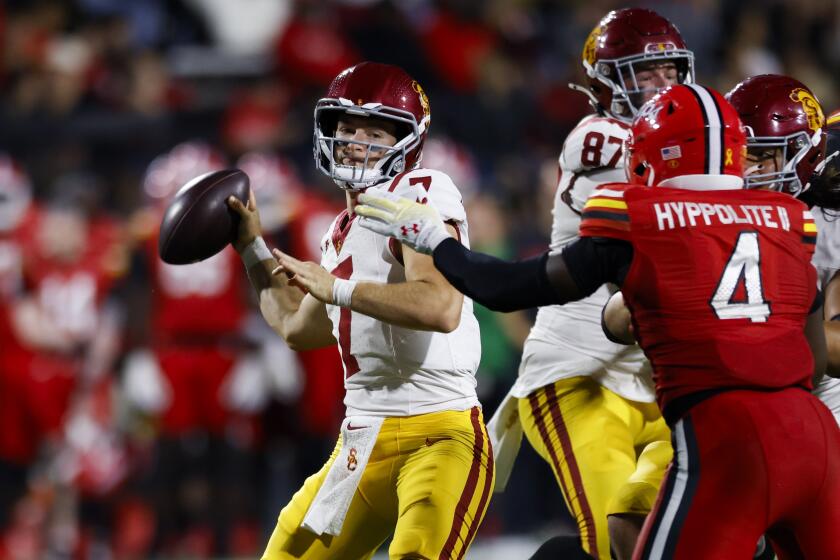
<point>594,261</point>
<point>507,286</point>
<point>497,284</point>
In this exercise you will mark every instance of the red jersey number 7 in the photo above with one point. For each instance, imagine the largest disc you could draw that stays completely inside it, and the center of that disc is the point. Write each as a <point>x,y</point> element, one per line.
<point>426,181</point>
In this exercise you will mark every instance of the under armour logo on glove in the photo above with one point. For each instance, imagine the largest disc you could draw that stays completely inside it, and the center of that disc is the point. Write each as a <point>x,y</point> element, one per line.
<point>417,225</point>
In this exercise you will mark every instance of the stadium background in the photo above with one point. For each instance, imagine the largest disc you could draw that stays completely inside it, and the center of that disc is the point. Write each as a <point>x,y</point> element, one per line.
<point>94,90</point>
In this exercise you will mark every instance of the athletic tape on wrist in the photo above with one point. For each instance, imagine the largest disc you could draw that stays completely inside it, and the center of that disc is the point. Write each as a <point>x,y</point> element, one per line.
<point>256,252</point>
<point>343,292</point>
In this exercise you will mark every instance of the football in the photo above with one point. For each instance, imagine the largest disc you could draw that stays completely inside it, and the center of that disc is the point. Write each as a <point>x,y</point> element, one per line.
<point>198,223</point>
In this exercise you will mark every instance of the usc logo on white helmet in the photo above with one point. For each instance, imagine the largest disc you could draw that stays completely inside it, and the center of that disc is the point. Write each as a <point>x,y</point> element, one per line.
<point>812,108</point>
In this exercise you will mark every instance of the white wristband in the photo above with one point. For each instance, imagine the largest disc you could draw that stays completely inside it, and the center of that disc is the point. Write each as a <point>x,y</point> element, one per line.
<point>343,292</point>
<point>256,252</point>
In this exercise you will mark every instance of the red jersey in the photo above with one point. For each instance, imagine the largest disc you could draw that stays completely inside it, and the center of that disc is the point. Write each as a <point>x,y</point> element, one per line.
<point>306,228</point>
<point>71,293</point>
<point>720,284</point>
<point>203,300</point>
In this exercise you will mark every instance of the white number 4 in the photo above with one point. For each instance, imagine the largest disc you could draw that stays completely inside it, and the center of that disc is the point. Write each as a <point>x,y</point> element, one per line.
<point>743,266</point>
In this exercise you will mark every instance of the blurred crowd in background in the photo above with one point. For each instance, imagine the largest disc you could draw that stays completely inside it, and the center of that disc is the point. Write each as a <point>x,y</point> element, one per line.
<point>146,410</point>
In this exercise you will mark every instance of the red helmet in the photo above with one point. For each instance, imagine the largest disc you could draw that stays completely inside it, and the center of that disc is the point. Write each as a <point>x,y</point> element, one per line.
<point>780,112</point>
<point>15,193</point>
<point>622,42</point>
<point>683,131</point>
<point>376,90</point>
<point>825,183</point>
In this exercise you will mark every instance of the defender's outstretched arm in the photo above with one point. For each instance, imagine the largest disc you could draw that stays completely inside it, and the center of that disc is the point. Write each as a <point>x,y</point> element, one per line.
<point>580,269</point>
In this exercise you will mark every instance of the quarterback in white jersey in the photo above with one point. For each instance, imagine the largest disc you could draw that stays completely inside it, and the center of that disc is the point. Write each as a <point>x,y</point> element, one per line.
<point>413,458</point>
<point>390,370</point>
<point>585,403</point>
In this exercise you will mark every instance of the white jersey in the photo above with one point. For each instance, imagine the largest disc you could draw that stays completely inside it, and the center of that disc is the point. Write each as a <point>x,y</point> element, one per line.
<point>390,370</point>
<point>567,340</point>
<point>826,260</point>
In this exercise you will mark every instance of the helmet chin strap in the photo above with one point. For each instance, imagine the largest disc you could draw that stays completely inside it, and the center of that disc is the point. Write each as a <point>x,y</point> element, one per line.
<point>592,99</point>
<point>597,104</point>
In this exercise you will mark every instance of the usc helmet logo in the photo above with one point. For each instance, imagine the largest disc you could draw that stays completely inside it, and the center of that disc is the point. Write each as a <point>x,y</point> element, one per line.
<point>811,106</point>
<point>424,100</point>
<point>590,44</point>
<point>660,47</point>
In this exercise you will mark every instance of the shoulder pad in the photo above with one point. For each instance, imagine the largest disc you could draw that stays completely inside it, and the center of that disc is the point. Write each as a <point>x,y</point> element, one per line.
<point>429,186</point>
<point>605,213</point>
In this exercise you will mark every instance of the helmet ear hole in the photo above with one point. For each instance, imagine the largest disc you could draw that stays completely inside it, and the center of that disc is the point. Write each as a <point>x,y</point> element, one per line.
<point>640,170</point>
<point>670,110</point>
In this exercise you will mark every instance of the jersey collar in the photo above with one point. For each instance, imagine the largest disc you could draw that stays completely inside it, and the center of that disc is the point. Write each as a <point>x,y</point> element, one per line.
<point>702,182</point>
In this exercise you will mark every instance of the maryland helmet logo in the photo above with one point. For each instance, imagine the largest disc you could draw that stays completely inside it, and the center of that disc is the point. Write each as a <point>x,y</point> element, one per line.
<point>424,99</point>
<point>590,45</point>
<point>811,106</point>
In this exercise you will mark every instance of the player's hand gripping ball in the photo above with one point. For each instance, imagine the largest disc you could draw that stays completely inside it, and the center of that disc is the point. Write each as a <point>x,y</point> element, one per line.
<point>198,222</point>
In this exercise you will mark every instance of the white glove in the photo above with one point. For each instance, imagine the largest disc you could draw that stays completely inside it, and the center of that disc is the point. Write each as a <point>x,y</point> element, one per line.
<point>417,225</point>
<point>144,385</point>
